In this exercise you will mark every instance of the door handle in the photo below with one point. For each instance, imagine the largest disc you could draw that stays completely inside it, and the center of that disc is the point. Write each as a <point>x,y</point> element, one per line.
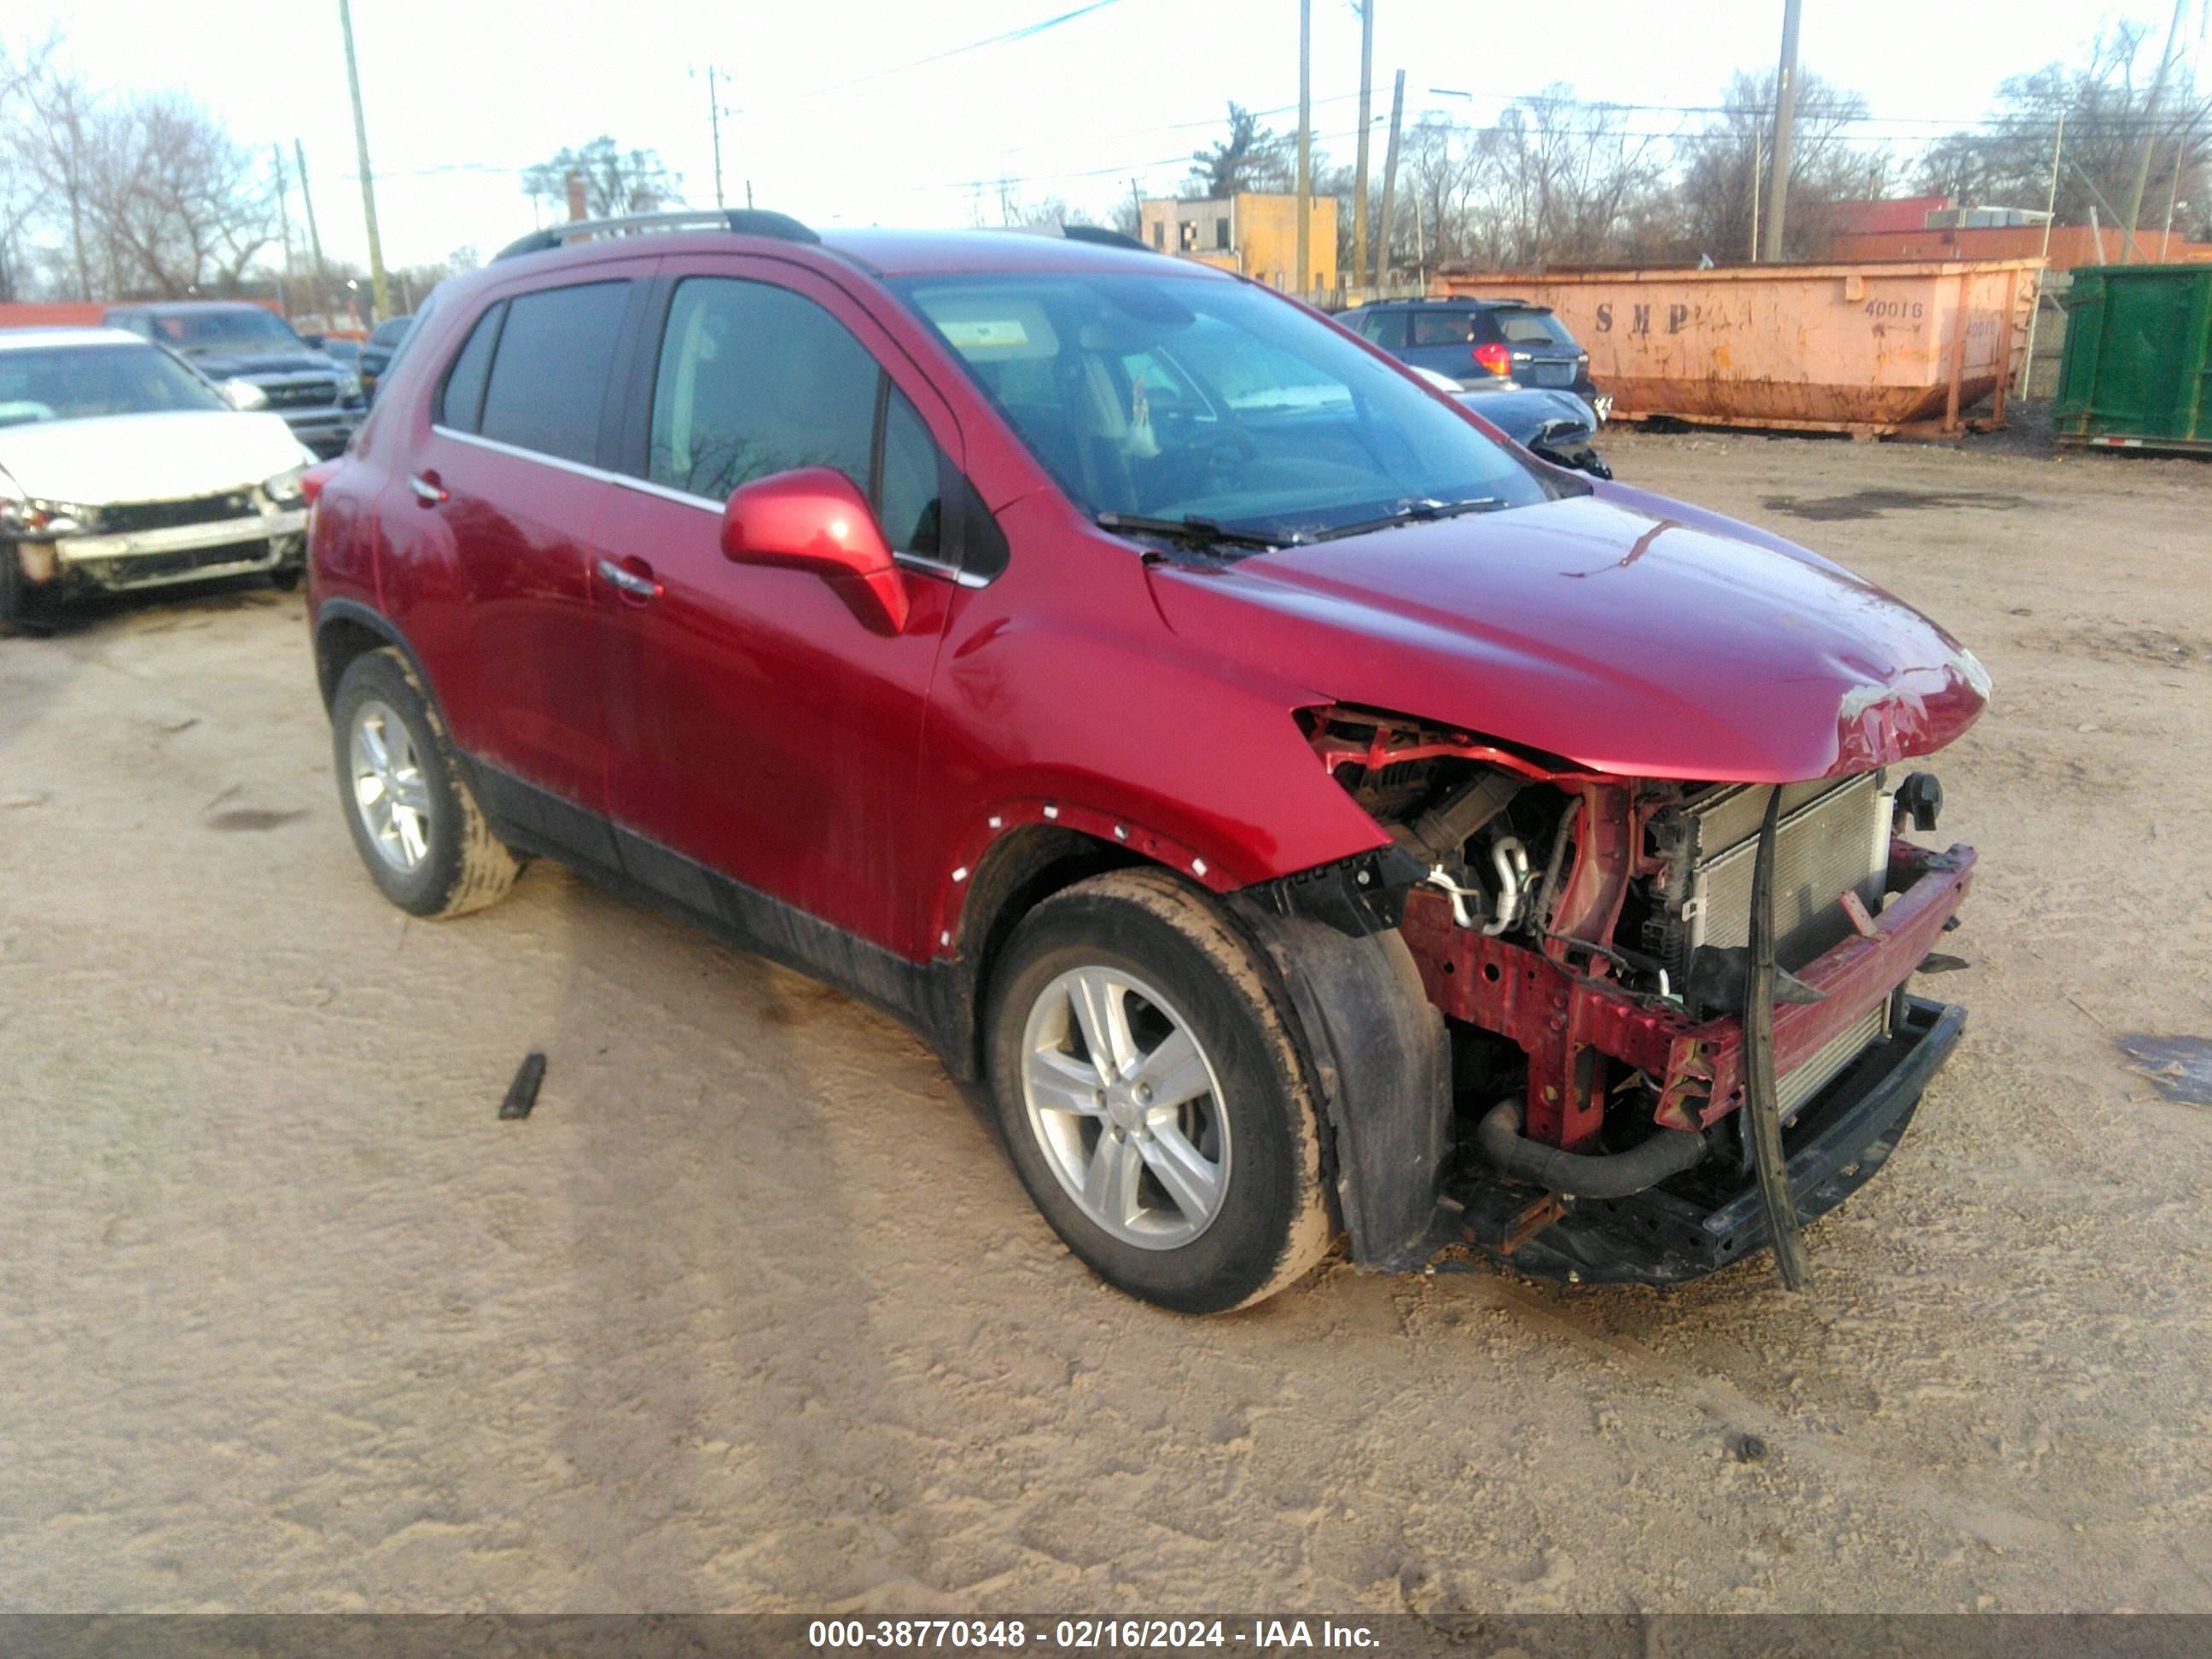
<point>640,589</point>
<point>428,488</point>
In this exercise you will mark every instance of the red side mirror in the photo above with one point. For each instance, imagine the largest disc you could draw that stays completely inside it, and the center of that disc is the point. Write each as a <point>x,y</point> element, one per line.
<point>814,518</point>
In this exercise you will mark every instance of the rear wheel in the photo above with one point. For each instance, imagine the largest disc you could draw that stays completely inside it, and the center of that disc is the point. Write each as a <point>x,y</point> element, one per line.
<point>1153,1098</point>
<point>414,821</point>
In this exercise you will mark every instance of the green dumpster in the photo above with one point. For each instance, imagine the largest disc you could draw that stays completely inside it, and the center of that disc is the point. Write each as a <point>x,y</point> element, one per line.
<point>2138,373</point>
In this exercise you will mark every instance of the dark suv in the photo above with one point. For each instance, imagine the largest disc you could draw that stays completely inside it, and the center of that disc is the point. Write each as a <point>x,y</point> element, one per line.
<point>254,356</point>
<point>1308,814</point>
<point>1475,341</point>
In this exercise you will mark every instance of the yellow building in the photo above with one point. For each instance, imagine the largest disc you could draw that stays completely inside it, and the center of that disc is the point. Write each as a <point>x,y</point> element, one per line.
<point>1253,233</point>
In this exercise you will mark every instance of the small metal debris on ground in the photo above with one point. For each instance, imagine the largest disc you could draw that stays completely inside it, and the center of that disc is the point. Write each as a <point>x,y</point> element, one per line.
<point>2180,1067</point>
<point>522,1093</point>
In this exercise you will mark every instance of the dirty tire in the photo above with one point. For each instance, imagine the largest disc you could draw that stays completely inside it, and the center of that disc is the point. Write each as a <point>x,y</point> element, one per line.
<point>464,866</point>
<point>17,611</point>
<point>1273,1225</point>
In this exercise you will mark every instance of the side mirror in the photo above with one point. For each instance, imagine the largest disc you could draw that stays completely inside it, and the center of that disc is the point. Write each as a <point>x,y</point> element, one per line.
<point>814,518</point>
<point>318,341</point>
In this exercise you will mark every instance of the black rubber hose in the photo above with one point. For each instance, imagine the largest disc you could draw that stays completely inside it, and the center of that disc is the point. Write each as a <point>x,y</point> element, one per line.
<point>1606,1175</point>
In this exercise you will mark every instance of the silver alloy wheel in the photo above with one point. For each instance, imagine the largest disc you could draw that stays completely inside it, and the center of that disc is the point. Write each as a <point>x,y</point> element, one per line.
<point>1126,1108</point>
<point>389,790</point>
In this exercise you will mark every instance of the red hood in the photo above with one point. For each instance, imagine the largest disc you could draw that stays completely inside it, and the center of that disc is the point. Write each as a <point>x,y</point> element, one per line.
<point>1624,632</point>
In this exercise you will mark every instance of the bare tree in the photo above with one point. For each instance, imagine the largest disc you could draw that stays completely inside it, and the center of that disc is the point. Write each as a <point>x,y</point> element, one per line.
<point>2107,117</point>
<point>616,180</point>
<point>22,184</point>
<point>182,207</point>
<point>1719,164</point>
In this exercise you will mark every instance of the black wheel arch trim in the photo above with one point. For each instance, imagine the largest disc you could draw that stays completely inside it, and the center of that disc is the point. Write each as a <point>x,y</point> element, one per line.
<point>1380,1063</point>
<point>331,612</point>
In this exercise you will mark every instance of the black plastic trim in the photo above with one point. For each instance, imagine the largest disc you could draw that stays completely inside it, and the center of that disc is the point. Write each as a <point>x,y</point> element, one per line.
<point>1685,1229</point>
<point>920,994</point>
<point>1380,1063</point>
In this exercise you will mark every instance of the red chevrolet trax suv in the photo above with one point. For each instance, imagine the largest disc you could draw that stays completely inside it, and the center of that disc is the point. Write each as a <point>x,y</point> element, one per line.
<point>1309,816</point>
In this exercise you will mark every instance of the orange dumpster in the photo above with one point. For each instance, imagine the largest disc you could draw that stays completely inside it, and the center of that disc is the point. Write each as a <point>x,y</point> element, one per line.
<point>1863,348</point>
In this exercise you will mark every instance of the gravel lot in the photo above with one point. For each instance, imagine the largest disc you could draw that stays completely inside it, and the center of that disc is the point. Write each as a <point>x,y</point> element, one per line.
<point>752,1314</point>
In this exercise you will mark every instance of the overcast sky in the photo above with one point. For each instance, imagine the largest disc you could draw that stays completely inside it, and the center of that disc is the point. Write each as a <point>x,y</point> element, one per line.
<point>838,123</point>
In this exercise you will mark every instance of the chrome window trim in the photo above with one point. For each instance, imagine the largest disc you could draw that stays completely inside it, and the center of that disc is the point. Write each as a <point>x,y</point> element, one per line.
<point>918,564</point>
<point>559,463</point>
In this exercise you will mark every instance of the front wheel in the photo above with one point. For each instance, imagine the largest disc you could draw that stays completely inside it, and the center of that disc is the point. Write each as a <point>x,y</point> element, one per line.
<point>1153,1096</point>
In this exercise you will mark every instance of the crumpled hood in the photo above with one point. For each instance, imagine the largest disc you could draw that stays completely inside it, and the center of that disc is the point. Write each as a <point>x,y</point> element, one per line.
<point>146,457</point>
<point>1624,632</point>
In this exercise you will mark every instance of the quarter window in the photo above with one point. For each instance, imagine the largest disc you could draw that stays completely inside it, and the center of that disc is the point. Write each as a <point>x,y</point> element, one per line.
<point>460,403</point>
<point>1384,328</point>
<point>912,510</point>
<point>548,379</point>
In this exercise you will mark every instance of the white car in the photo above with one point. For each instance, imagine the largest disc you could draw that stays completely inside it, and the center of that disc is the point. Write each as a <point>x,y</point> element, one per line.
<point>122,468</point>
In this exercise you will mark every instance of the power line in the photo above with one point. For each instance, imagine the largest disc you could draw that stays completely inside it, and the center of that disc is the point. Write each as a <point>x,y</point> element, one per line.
<point>1027,31</point>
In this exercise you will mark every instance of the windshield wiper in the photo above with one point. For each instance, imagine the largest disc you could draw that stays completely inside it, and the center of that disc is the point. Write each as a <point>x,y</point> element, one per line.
<point>1413,513</point>
<point>1194,529</point>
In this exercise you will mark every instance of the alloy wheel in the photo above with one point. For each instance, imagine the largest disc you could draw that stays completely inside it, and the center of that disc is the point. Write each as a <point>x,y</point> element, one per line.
<point>1126,1108</point>
<point>389,790</point>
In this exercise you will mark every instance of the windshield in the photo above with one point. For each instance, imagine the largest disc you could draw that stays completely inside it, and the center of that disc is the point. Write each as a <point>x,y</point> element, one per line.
<point>1172,397</point>
<point>77,383</point>
<point>247,329</point>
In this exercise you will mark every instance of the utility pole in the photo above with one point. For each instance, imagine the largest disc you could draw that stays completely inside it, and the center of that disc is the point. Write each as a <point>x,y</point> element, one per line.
<point>1137,209</point>
<point>2150,126</point>
<point>1390,181</point>
<point>2050,212</point>
<point>714,127</point>
<point>2172,199</point>
<point>1785,116</point>
<point>314,236</point>
<point>1305,146</point>
<point>379,289</point>
<point>1366,119</point>
<point>285,230</point>
<point>1757,150</point>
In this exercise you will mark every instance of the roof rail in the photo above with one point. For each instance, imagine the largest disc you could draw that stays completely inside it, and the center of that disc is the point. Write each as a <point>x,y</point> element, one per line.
<point>1103,237</point>
<point>743,221</point>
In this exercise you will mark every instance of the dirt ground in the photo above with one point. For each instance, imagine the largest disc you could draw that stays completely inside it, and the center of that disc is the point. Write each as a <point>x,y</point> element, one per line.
<point>751,1313</point>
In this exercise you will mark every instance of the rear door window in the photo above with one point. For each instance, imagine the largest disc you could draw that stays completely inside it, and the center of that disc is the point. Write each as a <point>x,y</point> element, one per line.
<point>1437,328</point>
<point>549,376</point>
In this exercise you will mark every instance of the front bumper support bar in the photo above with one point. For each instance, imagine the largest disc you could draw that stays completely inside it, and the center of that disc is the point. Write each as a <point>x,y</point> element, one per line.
<point>1704,1221</point>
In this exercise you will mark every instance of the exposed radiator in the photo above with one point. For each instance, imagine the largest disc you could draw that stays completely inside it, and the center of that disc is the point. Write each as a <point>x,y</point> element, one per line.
<point>1832,836</point>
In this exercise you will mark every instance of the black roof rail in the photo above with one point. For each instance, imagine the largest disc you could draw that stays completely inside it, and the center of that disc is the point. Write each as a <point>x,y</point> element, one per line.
<point>1103,237</point>
<point>743,221</point>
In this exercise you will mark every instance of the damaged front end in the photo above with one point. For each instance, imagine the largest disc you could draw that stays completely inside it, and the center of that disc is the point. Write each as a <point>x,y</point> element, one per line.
<point>1589,940</point>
